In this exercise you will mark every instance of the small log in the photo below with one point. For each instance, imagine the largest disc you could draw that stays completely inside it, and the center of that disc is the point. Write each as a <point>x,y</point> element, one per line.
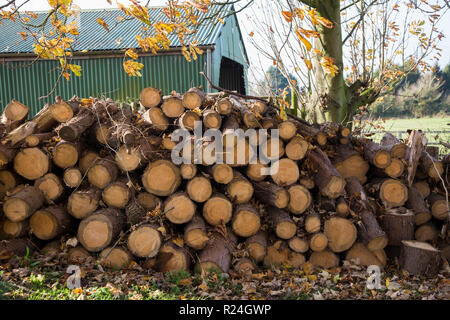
<point>256,246</point>
<point>145,241</point>
<point>150,97</point>
<point>324,259</point>
<point>22,204</point>
<point>432,167</point>
<point>439,206</point>
<point>246,221</point>
<point>284,227</point>
<point>313,132</point>
<point>248,117</point>
<point>217,254</point>
<point>188,171</point>
<point>271,194</point>
<point>341,233</point>
<point>287,130</point>
<point>103,172</point>
<point>115,258</point>
<point>391,144</point>
<point>72,129</point>
<point>327,178</point>
<point>420,258</point>
<point>172,107</point>
<point>51,187</point>
<point>66,154</point>
<point>199,189</point>
<point>296,148</point>
<point>98,230</point>
<point>223,106</point>
<point>194,98</point>
<point>221,173</point>
<point>426,232</point>
<point>179,208</point>
<point>161,178</point>
<point>117,194</point>
<point>31,163</point>
<point>218,210</point>
<point>377,156</point>
<point>195,235</point>
<point>172,257</point>
<point>188,119</point>
<point>84,202</point>
<point>298,244</point>
<point>313,223</point>
<point>395,169</point>
<point>239,190</point>
<point>342,208</point>
<point>11,230</point>
<point>257,171</point>
<point>72,177</point>
<point>44,120</point>
<point>300,199</point>
<point>8,181</point>
<point>417,204</point>
<point>285,172</point>
<point>49,223</point>
<point>87,160</point>
<point>398,226</point>
<point>212,119</point>
<point>318,242</point>
<point>362,256</point>
<point>63,111</point>
<point>37,139</point>
<point>15,111</point>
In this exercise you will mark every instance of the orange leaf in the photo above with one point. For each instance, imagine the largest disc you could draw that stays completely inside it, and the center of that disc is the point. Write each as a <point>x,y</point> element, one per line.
<point>287,15</point>
<point>308,64</point>
<point>102,22</point>
<point>305,42</point>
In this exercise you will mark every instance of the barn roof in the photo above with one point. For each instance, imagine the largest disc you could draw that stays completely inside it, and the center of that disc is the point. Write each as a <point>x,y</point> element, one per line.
<point>94,37</point>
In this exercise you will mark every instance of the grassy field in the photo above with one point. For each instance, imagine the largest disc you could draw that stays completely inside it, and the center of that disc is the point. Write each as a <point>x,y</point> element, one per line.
<point>424,124</point>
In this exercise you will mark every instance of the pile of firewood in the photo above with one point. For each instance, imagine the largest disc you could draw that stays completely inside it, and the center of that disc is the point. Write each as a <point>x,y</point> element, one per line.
<point>101,172</point>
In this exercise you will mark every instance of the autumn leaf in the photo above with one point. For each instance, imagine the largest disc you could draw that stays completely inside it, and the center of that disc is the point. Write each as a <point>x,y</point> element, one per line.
<point>23,35</point>
<point>305,42</point>
<point>329,66</point>
<point>131,53</point>
<point>102,22</point>
<point>287,15</point>
<point>251,34</point>
<point>308,64</point>
<point>178,241</point>
<point>76,69</point>
<point>132,68</point>
<point>325,22</point>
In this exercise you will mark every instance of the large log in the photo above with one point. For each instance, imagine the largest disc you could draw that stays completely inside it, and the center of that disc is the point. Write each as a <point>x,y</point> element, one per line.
<point>391,144</point>
<point>256,246</point>
<point>49,223</point>
<point>376,155</point>
<point>341,233</point>
<point>145,241</point>
<point>398,226</point>
<point>31,163</point>
<point>420,258</point>
<point>103,172</point>
<point>393,193</point>
<point>218,210</point>
<point>439,206</point>
<point>194,98</point>
<point>72,129</point>
<point>285,172</point>
<point>195,235</point>
<point>172,257</point>
<point>82,203</point>
<point>179,208</point>
<point>172,107</point>
<point>150,97</point>
<point>240,190</point>
<point>217,254</point>
<point>349,163</point>
<point>161,178</point>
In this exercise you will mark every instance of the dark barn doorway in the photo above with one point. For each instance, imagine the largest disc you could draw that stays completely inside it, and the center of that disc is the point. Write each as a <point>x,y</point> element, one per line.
<point>232,75</point>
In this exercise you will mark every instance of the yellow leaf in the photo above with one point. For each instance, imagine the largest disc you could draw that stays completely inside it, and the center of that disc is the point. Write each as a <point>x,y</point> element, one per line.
<point>76,69</point>
<point>251,34</point>
<point>162,230</point>
<point>102,22</point>
<point>387,282</point>
<point>178,241</point>
<point>305,42</point>
<point>203,286</point>
<point>325,22</point>
<point>77,291</point>
<point>308,64</point>
<point>131,53</point>
<point>287,15</point>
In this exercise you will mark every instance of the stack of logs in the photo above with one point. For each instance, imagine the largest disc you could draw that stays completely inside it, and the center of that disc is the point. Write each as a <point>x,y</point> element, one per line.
<point>101,171</point>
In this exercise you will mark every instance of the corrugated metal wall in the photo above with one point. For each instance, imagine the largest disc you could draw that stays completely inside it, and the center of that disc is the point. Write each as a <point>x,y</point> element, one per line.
<point>101,77</point>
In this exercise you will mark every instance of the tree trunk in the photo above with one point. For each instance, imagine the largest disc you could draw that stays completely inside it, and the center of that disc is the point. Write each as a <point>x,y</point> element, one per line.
<point>398,226</point>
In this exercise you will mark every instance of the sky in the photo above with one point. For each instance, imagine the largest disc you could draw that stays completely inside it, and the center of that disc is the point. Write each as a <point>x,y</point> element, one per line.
<point>40,5</point>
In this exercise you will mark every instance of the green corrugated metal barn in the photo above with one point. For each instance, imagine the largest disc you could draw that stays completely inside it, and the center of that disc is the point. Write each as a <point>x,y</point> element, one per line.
<point>24,79</point>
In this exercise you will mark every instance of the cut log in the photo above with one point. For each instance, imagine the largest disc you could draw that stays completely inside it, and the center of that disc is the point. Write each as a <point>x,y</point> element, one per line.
<point>279,254</point>
<point>155,117</point>
<point>15,247</point>
<point>417,204</point>
<point>298,244</point>
<point>284,227</point>
<point>256,246</point>
<point>296,148</point>
<point>195,235</point>
<point>240,190</point>
<point>172,107</point>
<point>244,266</point>
<point>49,223</point>
<point>324,259</point>
<point>8,181</point>
<point>161,178</point>
<point>103,172</point>
<point>307,182</point>
<point>115,258</point>
<point>299,199</point>
<point>87,160</point>
<point>432,167</point>
<point>287,130</point>
<point>72,177</point>
<point>188,171</point>
<point>212,119</point>
<point>63,111</point>
<point>15,111</point>
<point>99,229</point>
<point>82,203</point>
<point>217,210</point>
<point>327,178</point>
<point>217,254</point>
<point>377,156</point>
<point>341,233</point>
<point>44,120</point>
<point>11,230</point>
<point>423,187</point>
<point>194,98</point>
<point>22,204</point>
<point>19,134</point>
<point>248,117</point>
<point>150,97</point>
<point>420,258</point>
<point>342,208</point>
<point>188,119</point>
<point>271,194</point>
<point>31,163</point>
<point>257,171</point>
<point>269,123</point>
<point>145,241</point>
<point>117,194</point>
<point>439,206</point>
<point>199,189</point>
<point>230,125</point>
<point>179,208</point>
<point>128,159</point>
<point>318,242</point>
<point>37,139</point>
<point>223,106</point>
<point>272,149</point>
<point>50,186</point>
<point>349,163</point>
<point>72,129</point>
<point>362,256</point>
<point>393,193</point>
<point>103,134</point>
<point>398,226</point>
<point>426,232</point>
<point>396,148</point>
<point>311,131</point>
<point>65,154</point>
<point>313,223</point>
<point>172,257</point>
<point>395,169</point>
<point>246,221</point>
<point>221,173</point>
<point>285,172</point>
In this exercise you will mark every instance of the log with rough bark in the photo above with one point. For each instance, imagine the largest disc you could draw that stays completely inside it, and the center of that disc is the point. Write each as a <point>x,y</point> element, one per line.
<point>284,227</point>
<point>239,190</point>
<point>398,226</point>
<point>393,193</point>
<point>34,140</point>
<point>31,163</point>
<point>217,254</point>
<point>431,166</point>
<point>391,144</point>
<point>417,204</point>
<point>310,131</point>
<point>256,246</point>
<point>420,258</point>
<point>81,203</point>
<point>51,222</point>
<point>360,254</point>
<point>246,221</point>
<point>66,154</point>
<point>11,230</point>
<point>296,148</point>
<point>285,172</point>
<point>248,117</point>
<point>172,107</point>
<point>439,206</point>
<point>74,128</point>
<point>172,257</point>
<point>349,163</point>
<point>217,210</point>
<point>145,241</point>
<point>199,189</point>
<point>416,141</point>
<point>271,194</point>
<point>341,233</point>
<point>194,98</point>
<point>179,208</point>
<point>195,235</point>
<point>115,258</point>
<point>376,155</point>
<point>327,178</point>
<point>23,203</point>
<point>102,172</point>
<point>99,229</point>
